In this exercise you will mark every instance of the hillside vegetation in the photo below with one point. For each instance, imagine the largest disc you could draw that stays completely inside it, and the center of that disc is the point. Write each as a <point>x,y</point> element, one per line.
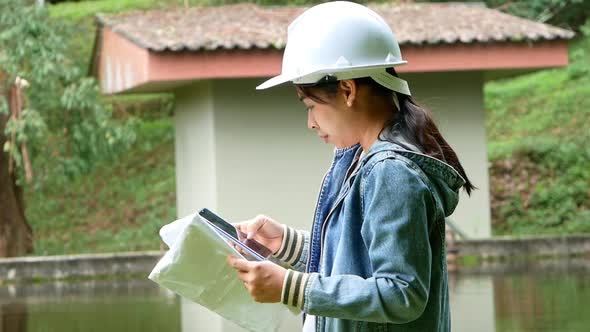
<point>538,138</point>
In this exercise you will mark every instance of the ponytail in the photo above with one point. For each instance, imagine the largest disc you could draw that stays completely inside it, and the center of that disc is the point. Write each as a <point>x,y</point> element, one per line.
<point>417,127</point>
<point>415,124</point>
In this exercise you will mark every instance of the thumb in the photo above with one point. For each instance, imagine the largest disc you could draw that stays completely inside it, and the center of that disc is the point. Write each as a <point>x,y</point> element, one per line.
<point>254,226</point>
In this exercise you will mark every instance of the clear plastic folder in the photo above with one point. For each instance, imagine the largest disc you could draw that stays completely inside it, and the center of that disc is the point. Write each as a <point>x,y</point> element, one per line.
<point>195,267</point>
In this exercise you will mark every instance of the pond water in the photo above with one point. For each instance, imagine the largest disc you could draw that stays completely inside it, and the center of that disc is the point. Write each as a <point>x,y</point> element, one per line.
<point>522,297</point>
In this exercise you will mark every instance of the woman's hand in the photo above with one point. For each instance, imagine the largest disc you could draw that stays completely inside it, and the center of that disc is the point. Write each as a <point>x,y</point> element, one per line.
<point>264,280</point>
<point>264,230</point>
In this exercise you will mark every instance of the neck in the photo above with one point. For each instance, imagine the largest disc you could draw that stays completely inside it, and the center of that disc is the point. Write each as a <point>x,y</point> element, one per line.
<point>376,118</point>
<point>370,135</point>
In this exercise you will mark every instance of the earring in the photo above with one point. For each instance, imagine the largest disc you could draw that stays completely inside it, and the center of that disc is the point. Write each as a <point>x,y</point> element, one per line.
<point>349,103</point>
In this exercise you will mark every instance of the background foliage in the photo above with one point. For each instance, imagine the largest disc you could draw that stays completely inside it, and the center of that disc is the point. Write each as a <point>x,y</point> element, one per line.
<point>535,123</point>
<point>65,122</point>
<point>564,13</point>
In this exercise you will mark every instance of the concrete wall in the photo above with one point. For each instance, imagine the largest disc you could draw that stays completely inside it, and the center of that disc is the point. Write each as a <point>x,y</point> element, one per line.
<point>242,152</point>
<point>21,269</point>
<point>509,255</point>
<point>456,102</point>
<point>506,248</point>
<point>254,154</point>
<point>267,160</point>
<point>273,135</point>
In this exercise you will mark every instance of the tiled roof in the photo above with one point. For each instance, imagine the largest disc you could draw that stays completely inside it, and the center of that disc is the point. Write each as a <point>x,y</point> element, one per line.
<point>248,26</point>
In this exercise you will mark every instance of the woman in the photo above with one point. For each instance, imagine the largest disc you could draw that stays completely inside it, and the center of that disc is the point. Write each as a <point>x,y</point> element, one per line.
<point>375,258</point>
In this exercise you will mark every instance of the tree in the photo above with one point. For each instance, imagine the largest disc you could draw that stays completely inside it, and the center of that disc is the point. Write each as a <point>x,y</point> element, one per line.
<point>569,14</point>
<point>59,116</point>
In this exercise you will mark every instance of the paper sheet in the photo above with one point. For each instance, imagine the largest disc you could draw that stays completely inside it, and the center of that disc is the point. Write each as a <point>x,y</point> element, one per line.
<point>195,267</point>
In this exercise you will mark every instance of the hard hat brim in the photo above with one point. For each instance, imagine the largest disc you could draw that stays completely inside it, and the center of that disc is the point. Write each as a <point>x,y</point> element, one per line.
<point>341,73</point>
<point>277,80</point>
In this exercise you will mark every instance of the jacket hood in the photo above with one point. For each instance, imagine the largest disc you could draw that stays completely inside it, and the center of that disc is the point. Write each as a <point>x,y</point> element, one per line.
<point>445,180</point>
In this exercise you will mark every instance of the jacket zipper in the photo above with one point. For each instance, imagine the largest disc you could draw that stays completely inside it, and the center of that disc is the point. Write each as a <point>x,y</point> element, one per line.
<point>318,319</point>
<point>317,205</point>
<point>327,219</point>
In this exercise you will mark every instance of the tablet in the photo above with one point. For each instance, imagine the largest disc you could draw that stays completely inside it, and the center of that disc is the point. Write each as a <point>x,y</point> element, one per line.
<point>227,230</point>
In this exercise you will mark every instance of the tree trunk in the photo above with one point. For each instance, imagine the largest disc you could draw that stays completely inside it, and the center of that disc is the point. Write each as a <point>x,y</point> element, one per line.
<point>16,236</point>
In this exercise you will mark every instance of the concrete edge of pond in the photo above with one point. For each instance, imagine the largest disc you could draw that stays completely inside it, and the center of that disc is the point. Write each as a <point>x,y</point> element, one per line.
<point>566,245</point>
<point>500,255</point>
<point>77,266</point>
<point>501,251</point>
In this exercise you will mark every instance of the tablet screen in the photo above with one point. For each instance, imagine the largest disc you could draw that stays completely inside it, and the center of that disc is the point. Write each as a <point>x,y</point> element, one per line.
<point>220,223</point>
<point>240,237</point>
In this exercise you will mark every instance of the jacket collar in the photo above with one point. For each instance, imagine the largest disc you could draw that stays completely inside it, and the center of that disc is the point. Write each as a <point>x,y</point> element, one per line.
<point>430,165</point>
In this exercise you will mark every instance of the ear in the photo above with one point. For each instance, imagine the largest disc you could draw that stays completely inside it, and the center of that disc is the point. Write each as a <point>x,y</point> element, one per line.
<point>348,89</point>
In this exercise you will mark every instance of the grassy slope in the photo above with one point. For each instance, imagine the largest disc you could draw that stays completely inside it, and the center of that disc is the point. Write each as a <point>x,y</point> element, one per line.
<point>538,145</point>
<point>536,124</point>
<point>118,207</point>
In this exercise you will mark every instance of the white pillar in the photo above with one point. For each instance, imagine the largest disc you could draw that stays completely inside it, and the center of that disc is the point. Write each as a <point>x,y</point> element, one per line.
<point>195,178</point>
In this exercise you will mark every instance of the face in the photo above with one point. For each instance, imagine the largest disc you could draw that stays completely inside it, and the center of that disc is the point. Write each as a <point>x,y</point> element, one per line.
<point>333,122</point>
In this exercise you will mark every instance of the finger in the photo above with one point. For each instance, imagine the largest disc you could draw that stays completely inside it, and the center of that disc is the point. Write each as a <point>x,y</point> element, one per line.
<point>248,287</point>
<point>232,244</point>
<point>242,226</point>
<point>239,263</point>
<point>238,249</point>
<point>244,276</point>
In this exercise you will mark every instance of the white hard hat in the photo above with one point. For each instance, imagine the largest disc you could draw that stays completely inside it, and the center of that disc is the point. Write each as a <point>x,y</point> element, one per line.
<point>341,39</point>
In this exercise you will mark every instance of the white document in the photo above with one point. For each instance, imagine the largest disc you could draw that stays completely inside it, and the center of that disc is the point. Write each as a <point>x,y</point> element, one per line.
<point>195,267</point>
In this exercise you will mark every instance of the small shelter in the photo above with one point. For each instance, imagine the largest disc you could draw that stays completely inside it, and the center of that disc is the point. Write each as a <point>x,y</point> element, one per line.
<point>243,152</point>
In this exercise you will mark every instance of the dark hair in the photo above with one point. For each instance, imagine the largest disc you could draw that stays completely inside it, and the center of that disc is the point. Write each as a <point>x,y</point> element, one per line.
<point>412,122</point>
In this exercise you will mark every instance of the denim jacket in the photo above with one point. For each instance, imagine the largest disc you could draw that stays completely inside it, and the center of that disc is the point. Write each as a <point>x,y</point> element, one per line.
<point>375,258</point>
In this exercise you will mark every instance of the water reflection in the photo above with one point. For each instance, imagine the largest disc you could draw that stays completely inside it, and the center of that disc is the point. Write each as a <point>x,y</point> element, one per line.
<point>522,296</point>
<point>546,302</point>
<point>125,306</point>
<point>544,296</point>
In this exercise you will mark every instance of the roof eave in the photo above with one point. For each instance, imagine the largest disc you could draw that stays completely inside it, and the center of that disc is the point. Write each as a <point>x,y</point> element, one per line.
<point>123,66</point>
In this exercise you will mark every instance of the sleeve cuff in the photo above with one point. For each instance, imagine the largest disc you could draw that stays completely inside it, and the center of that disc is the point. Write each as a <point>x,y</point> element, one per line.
<point>292,247</point>
<point>294,288</point>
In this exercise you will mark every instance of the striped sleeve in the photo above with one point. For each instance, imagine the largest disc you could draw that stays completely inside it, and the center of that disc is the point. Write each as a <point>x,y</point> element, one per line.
<point>293,248</point>
<point>295,287</point>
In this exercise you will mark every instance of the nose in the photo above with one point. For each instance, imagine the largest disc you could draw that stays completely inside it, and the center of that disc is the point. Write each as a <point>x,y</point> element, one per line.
<point>311,124</point>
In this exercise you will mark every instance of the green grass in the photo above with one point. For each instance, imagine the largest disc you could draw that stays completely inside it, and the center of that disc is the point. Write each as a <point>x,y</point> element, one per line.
<point>537,129</point>
<point>118,207</point>
<point>77,10</point>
